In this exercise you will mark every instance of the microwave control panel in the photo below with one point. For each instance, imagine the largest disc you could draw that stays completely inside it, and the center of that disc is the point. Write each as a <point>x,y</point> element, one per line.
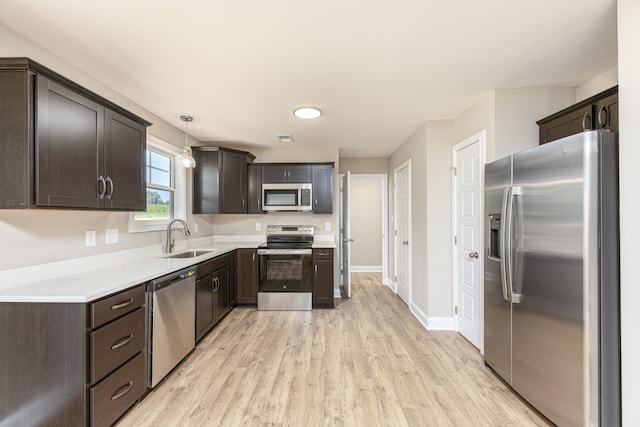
<point>305,197</point>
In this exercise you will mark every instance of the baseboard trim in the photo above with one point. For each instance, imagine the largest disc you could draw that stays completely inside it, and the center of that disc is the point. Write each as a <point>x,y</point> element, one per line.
<point>366,268</point>
<point>431,323</point>
<point>387,282</point>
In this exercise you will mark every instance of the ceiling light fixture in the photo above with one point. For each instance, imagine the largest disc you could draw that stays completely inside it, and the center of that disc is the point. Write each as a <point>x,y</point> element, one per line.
<point>187,155</point>
<point>307,113</point>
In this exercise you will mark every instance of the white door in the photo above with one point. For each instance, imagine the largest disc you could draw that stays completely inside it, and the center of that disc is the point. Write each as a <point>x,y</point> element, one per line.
<point>402,231</point>
<point>345,235</point>
<point>468,257</point>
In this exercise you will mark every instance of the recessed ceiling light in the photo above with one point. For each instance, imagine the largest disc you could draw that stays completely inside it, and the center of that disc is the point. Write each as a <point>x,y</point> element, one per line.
<point>307,112</point>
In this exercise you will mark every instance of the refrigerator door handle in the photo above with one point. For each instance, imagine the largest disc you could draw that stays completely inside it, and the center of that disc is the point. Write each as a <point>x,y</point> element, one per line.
<point>504,251</point>
<point>513,297</point>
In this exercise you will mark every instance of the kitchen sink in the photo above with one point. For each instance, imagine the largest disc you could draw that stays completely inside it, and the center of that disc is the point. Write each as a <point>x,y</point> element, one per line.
<point>188,254</point>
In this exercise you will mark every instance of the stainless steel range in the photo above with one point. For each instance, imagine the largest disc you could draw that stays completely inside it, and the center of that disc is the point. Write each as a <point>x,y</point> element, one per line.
<point>284,281</point>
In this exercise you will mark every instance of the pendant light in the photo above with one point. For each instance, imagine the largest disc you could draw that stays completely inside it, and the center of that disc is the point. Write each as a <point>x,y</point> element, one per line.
<point>187,155</point>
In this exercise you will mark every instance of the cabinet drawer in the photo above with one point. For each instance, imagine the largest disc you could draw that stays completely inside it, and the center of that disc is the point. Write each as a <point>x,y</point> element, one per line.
<point>323,254</point>
<point>115,343</point>
<point>106,310</point>
<point>211,265</point>
<point>119,391</point>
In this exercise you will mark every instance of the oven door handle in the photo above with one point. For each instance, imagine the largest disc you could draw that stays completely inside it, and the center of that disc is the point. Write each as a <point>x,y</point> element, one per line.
<point>284,252</point>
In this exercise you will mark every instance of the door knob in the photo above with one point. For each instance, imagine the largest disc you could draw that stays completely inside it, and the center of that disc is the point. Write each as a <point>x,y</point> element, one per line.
<point>473,255</point>
<point>405,242</point>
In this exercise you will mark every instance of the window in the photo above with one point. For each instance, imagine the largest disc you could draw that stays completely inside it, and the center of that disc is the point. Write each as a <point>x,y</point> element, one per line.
<point>165,188</point>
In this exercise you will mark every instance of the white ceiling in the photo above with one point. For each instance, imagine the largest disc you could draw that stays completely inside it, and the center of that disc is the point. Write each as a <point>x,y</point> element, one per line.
<point>377,68</point>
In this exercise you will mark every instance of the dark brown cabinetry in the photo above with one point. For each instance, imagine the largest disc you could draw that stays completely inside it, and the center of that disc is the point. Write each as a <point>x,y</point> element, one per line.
<point>220,180</point>
<point>322,278</point>
<point>247,276</point>
<point>212,293</point>
<point>323,188</point>
<point>78,364</point>
<point>597,112</point>
<point>233,278</point>
<point>274,173</point>
<point>79,151</point>
<point>254,175</point>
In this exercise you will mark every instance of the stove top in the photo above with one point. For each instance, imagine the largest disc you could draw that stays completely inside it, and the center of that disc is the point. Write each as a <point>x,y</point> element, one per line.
<point>289,236</point>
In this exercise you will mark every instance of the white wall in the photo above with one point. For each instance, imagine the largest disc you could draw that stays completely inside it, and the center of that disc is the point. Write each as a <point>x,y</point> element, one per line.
<point>369,165</point>
<point>629,96</point>
<point>597,84</point>
<point>516,113</point>
<point>35,236</point>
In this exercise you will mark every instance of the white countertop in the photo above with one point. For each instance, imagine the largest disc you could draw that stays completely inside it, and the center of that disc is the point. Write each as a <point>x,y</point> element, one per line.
<point>81,280</point>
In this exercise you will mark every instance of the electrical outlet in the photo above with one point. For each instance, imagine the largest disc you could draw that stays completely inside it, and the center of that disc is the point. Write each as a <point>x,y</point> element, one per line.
<point>195,227</point>
<point>90,238</point>
<point>327,226</point>
<point>112,236</point>
<point>258,226</point>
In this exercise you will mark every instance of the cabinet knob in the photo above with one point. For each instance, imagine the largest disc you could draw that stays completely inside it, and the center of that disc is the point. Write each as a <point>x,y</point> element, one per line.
<point>315,269</point>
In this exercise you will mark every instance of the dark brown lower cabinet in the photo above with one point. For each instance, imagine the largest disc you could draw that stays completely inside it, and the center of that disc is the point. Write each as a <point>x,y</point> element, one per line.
<point>247,276</point>
<point>72,364</point>
<point>322,278</point>
<point>212,293</point>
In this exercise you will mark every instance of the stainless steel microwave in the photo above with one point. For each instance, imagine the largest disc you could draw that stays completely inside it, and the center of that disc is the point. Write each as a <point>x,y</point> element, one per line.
<point>286,197</point>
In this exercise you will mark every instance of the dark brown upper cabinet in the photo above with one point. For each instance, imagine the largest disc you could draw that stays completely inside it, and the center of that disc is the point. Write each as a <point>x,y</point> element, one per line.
<point>254,175</point>
<point>322,188</point>
<point>597,112</point>
<point>66,147</point>
<point>220,180</point>
<point>277,173</point>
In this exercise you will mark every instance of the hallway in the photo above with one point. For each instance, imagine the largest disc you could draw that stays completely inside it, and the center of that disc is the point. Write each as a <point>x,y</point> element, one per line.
<point>368,362</point>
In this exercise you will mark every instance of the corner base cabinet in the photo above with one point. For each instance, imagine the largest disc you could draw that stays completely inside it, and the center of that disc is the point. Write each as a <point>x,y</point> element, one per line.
<point>72,364</point>
<point>322,278</point>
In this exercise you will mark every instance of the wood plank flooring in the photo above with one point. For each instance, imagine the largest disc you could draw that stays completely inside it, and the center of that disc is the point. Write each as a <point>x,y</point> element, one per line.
<point>368,362</point>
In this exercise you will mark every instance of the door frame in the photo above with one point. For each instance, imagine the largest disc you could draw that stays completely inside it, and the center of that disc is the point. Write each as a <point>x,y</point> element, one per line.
<point>385,218</point>
<point>479,138</point>
<point>405,164</point>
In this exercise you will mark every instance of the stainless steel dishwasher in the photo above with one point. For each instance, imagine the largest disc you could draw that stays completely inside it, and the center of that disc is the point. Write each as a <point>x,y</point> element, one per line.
<point>171,302</point>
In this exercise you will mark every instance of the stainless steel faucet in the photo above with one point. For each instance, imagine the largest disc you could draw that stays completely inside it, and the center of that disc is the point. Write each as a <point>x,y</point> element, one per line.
<point>168,246</point>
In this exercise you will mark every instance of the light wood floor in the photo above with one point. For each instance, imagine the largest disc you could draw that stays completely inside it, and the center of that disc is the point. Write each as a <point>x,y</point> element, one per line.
<point>368,362</point>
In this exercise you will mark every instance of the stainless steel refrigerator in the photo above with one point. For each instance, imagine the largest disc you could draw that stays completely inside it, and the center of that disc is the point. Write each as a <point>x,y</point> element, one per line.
<point>551,286</point>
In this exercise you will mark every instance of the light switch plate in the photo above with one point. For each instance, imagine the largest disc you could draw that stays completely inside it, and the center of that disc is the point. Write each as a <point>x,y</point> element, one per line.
<point>195,227</point>
<point>90,238</point>
<point>258,226</point>
<point>327,226</point>
<point>112,236</point>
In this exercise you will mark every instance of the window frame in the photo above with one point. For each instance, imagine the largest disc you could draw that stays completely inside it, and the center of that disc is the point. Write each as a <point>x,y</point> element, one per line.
<point>179,188</point>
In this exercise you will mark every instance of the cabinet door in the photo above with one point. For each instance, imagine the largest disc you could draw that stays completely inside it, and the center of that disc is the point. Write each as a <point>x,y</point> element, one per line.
<point>274,174</point>
<point>233,183</point>
<point>322,189</point>
<point>571,123</point>
<point>254,196</point>
<point>125,144</point>
<point>206,182</point>
<point>233,279</point>
<point>221,293</point>
<point>322,278</point>
<point>69,147</point>
<point>299,174</point>
<point>606,114</point>
<point>247,276</point>
<point>204,305</point>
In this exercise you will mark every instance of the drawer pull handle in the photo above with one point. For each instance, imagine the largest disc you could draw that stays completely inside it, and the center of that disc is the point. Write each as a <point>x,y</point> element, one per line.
<point>122,391</point>
<point>122,304</point>
<point>124,341</point>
